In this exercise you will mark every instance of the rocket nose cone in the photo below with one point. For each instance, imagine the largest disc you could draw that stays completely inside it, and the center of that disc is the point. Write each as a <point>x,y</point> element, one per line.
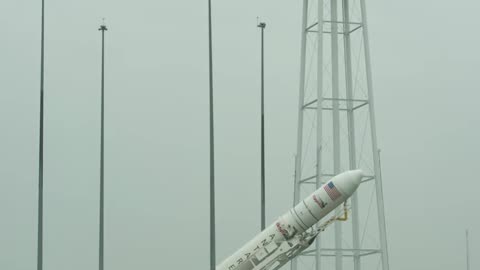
<point>348,181</point>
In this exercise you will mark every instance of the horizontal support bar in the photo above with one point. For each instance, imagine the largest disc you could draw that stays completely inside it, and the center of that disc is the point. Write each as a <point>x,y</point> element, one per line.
<point>325,109</point>
<point>349,252</point>
<point>328,32</point>
<point>338,99</point>
<point>326,255</point>
<point>346,99</point>
<point>363,101</point>
<point>334,22</point>
<point>307,180</point>
<point>342,22</point>
<point>340,109</point>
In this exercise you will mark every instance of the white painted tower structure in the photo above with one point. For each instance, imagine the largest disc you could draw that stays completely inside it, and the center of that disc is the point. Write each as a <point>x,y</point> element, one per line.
<point>337,132</point>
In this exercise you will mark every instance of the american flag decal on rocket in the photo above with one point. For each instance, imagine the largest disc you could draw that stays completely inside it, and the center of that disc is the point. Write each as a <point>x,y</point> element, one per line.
<point>332,191</point>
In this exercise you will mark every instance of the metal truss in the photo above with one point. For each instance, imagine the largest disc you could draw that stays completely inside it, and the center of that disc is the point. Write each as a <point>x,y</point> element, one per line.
<point>335,103</point>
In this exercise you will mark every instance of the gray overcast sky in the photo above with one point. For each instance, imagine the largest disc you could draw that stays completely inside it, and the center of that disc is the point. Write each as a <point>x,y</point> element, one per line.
<point>425,63</point>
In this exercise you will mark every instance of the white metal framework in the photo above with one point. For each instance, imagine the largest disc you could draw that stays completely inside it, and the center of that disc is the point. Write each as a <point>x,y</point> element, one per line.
<point>337,132</point>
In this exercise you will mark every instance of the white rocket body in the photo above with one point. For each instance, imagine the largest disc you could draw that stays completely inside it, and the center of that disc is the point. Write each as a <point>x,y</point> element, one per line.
<point>288,236</point>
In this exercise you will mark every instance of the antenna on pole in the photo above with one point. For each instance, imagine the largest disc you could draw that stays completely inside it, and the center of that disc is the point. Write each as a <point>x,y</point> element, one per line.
<point>262,26</point>
<point>102,28</point>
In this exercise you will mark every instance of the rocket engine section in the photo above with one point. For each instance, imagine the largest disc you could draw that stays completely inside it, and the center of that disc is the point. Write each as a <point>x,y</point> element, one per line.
<point>291,234</point>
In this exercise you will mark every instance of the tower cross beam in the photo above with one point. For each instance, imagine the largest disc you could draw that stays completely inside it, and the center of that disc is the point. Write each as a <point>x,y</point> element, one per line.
<point>334,22</point>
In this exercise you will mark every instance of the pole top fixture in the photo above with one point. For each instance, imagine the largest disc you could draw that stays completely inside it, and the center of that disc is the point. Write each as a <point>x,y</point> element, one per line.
<point>103,27</point>
<point>260,24</point>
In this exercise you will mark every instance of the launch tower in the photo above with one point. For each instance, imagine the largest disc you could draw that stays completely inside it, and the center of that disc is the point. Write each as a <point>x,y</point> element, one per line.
<point>337,132</point>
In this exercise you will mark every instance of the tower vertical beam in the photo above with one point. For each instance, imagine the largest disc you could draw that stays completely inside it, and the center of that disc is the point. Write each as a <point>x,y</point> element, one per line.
<point>318,243</point>
<point>336,123</point>
<point>373,128</point>
<point>40,147</point>
<point>301,100</point>
<point>351,129</point>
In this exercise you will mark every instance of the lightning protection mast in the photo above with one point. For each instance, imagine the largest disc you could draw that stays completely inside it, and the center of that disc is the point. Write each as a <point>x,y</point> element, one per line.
<point>337,132</point>
<point>40,146</point>
<point>101,245</point>
<point>468,250</point>
<point>262,26</point>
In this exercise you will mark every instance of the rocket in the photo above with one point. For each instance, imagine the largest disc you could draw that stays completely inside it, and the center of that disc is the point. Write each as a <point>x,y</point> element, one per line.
<point>295,231</point>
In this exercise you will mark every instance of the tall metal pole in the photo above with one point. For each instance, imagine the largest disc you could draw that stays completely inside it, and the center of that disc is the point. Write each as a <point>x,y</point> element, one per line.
<point>212,147</point>
<point>468,250</point>
<point>40,149</point>
<point>262,25</point>
<point>102,28</point>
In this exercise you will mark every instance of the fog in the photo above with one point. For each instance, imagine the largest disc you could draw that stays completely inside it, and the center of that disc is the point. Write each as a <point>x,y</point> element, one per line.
<point>425,63</point>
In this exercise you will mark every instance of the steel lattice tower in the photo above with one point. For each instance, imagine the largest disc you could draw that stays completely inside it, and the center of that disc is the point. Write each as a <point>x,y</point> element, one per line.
<point>337,132</point>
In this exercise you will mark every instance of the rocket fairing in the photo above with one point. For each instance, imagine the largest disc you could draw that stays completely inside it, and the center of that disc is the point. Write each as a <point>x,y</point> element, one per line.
<point>289,235</point>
